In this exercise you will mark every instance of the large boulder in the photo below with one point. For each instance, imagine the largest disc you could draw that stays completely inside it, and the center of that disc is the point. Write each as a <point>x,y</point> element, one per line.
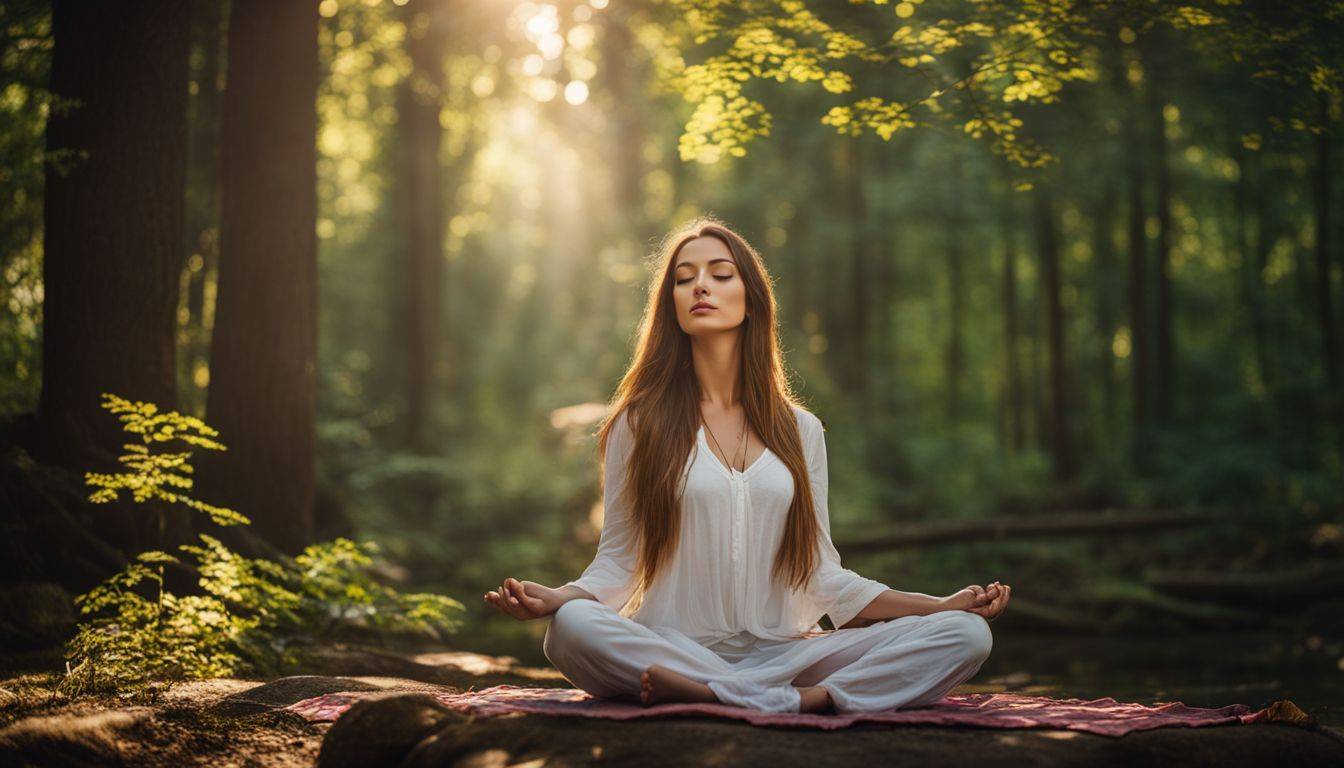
<point>383,731</point>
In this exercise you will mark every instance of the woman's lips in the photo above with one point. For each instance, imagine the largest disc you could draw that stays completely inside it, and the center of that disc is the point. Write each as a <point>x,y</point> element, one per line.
<point>702,309</point>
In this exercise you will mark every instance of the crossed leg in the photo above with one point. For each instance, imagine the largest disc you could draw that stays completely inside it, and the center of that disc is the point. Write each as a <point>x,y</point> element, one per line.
<point>910,661</point>
<point>607,654</point>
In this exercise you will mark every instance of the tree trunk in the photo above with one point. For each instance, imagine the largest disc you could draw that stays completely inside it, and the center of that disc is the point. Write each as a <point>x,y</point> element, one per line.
<point>861,256</point>
<point>263,354</point>
<point>627,125</point>
<point>1137,290</point>
<point>1047,239</point>
<point>1012,395</point>
<point>956,289</point>
<point>1164,373</point>
<point>831,286</point>
<point>885,245</point>
<point>1105,262</point>
<point>1324,200</point>
<point>420,100</point>
<point>1253,293</point>
<point>114,218</point>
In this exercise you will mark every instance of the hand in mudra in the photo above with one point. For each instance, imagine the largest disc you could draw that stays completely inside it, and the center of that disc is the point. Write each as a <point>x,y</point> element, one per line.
<point>524,600</point>
<point>985,601</point>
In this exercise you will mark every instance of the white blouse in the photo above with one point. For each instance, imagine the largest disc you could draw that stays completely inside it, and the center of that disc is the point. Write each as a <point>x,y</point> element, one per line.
<point>717,587</point>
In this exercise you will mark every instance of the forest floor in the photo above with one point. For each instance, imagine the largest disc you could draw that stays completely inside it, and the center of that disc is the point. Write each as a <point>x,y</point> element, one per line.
<point>242,723</point>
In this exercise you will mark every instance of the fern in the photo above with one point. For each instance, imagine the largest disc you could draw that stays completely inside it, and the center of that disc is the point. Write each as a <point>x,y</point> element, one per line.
<point>153,475</point>
<point>251,609</point>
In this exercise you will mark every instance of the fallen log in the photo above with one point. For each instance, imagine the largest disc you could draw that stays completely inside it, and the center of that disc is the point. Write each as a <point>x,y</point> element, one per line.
<point>1283,589</point>
<point>1133,608</point>
<point>1103,522</point>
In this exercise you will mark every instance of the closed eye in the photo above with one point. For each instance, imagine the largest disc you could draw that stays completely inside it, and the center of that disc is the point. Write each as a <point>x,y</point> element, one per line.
<point>716,277</point>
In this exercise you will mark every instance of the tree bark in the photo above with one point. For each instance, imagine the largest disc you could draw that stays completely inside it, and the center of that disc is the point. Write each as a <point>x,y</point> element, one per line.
<point>1012,395</point>
<point>956,289</point>
<point>113,229</point>
<point>1324,225</point>
<point>861,256</point>
<point>1137,290</point>
<point>1047,242</point>
<point>114,219</point>
<point>1164,369</point>
<point>420,99</point>
<point>1105,263</point>
<point>263,354</point>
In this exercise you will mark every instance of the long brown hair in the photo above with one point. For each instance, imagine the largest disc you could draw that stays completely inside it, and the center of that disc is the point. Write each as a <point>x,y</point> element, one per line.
<point>662,395</point>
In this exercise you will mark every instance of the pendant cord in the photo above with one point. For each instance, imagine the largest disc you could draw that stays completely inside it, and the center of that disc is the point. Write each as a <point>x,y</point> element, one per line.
<point>732,463</point>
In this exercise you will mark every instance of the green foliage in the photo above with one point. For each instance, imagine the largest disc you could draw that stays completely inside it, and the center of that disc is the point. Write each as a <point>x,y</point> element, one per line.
<point>154,474</point>
<point>131,642</point>
<point>971,64</point>
<point>251,610</point>
<point>24,103</point>
<point>337,577</point>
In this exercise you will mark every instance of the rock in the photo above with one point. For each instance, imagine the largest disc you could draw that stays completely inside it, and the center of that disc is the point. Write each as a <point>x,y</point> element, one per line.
<point>688,741</point>
<point>383,731</point>
<point>70,740</point>
<point>35,614</point>
<point>285,691</point>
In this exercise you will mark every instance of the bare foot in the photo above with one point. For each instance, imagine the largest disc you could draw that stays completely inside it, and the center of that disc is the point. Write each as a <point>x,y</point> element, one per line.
<point>660,685</point>
<point>815,699</point>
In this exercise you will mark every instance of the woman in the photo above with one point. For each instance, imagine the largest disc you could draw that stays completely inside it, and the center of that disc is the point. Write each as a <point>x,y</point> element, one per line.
<point>715,561</point>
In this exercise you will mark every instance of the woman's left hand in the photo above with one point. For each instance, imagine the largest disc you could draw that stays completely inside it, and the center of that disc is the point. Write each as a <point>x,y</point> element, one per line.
<point>988,601</point>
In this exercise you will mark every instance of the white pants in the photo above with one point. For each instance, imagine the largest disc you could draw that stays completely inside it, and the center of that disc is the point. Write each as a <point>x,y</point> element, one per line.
<point>907,662</point>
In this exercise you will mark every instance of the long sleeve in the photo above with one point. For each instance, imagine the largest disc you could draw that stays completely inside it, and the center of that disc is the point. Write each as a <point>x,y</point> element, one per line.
<point>840,592</point>
<point>610,576</point>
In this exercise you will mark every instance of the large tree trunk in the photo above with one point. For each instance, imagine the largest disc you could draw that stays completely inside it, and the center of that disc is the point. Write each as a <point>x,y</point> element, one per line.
<point>113,213</point>
<point>420,100</point>
<point>1047,242</point>
<point>263,354</point>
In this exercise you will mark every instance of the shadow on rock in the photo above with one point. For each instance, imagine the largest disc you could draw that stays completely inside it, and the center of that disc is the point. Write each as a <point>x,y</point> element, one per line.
<point>384,731</point>
<point>286,691</point>
<point>70,740</point>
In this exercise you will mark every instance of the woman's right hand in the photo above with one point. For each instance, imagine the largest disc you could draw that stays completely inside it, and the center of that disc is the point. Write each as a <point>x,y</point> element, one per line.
<point>524,600</point>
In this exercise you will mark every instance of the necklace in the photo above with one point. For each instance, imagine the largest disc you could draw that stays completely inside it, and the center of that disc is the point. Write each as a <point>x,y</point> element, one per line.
<point>732,463</point>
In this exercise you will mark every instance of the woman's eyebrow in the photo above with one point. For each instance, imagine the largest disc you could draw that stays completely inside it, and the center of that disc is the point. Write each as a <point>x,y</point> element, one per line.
<point>711,261</point>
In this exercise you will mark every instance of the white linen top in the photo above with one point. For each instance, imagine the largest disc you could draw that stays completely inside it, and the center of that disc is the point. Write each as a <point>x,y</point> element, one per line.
<point>717,587</point>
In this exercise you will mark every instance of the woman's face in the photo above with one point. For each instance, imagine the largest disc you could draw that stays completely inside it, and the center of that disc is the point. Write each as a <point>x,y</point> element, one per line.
<point>705,274</point>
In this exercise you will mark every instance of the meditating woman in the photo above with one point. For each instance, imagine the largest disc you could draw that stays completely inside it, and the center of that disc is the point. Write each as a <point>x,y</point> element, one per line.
<point>715,562</point>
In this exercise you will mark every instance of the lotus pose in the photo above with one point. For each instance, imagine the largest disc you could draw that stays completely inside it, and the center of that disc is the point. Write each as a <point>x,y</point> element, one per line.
<point>715,562</point>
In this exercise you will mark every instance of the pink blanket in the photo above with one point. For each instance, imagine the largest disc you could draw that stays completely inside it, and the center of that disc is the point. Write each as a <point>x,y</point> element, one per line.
<point>1104,716</point>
